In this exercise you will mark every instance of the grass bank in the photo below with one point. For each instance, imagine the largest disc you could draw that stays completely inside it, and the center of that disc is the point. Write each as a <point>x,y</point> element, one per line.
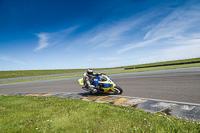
<point>51,114</point>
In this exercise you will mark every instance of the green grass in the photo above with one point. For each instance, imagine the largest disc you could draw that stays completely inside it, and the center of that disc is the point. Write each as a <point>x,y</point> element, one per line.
<point>27,73</point>
<point>51,114</point>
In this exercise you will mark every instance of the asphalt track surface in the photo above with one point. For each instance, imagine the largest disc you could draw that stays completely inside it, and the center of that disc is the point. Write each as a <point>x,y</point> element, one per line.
<point>182,85</point>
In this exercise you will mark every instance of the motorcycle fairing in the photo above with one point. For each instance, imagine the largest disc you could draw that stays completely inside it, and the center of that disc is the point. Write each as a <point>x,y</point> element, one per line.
<point>80,81</point>
<point>106,84</point>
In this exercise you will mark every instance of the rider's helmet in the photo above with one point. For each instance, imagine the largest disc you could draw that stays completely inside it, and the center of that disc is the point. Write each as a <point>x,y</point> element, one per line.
<point>89,72</point>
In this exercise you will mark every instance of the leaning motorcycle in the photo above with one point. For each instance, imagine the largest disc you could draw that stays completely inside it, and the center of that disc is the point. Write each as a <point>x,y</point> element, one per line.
<point>104,85</point>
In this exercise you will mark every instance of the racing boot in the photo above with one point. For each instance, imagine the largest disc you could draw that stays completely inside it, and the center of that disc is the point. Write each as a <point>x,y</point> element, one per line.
<point>92,89</point>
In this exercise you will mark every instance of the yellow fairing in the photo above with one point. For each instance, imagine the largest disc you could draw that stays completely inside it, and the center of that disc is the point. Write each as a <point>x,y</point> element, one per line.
<point>80,81</point>
<point>108,82</point>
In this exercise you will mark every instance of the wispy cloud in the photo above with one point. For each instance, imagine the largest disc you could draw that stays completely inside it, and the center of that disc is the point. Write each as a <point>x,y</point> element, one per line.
<point>49,39</point>
<point>119,32</point>
<point>136,45</point>
<point>43,41</point>
<point>178,27</point>
<point>178,22</point>
<point>9,59</point>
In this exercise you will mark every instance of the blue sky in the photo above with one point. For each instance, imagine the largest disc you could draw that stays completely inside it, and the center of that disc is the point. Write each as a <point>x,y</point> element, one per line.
<point>65,34</point>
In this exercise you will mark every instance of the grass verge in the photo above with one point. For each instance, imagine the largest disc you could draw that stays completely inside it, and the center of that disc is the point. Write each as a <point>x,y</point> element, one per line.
<point>51,114</point>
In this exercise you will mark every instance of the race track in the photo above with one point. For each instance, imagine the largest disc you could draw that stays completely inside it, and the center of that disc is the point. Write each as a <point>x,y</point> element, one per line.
<point>181,85</point>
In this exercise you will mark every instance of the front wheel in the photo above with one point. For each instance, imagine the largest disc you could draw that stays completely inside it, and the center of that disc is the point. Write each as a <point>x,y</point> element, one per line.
<point>118,90</point>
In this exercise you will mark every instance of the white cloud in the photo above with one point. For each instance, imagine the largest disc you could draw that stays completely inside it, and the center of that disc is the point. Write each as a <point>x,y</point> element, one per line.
<point>178,22</point>
<point>116,33</point>
<point>136,45</point>
<point>43,41</point>
<point>48,39</point>
<point>179,27</point>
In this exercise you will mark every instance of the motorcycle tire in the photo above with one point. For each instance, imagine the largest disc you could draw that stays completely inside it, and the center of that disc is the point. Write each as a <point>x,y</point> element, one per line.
<point>118,90</point>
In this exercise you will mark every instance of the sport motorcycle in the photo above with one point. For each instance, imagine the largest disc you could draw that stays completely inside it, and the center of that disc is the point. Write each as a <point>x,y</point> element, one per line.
<point>103,84</point>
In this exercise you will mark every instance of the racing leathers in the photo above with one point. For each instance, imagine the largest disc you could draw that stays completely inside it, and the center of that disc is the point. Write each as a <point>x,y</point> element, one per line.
<point>88,79</point>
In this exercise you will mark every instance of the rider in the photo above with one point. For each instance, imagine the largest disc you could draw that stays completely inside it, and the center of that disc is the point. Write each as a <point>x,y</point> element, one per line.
<point>88,79</point>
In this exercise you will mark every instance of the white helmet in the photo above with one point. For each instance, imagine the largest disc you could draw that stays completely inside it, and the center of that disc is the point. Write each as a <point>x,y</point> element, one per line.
<point>90,71</point>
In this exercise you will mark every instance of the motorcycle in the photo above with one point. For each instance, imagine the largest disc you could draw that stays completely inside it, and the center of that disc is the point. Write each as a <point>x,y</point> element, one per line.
<point>103,84</point>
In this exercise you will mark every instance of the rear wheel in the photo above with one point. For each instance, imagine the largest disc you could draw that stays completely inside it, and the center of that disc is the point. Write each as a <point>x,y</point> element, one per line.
<point>118,90</point>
